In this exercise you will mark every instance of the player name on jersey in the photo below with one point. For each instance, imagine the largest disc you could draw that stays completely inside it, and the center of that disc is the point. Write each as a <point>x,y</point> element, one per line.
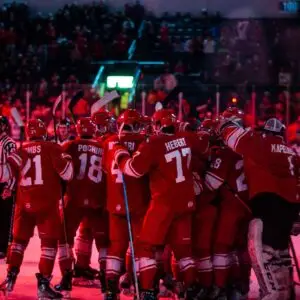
<point>279,148</point>
<point>175,144</point>
<point>90,148</point>
<point>131,146</point>
<point>34,149</point>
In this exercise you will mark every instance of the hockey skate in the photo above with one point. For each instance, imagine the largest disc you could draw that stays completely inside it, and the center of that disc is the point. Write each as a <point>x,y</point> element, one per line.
<point>237,292</point>
<point>194,292</point>
<point>166,288</point>
<point>179,289</point>
<point>217,293</point>
<point>45,292</point>
<point>148,295</point>
<point>7,286</point>
<point>86,277</point>
<point>102,280</point>
<point>65,285</point>
<point>112,292</point>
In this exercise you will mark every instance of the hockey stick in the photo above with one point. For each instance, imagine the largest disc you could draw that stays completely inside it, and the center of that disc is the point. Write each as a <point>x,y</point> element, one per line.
<point>107,98</point>
<point>136,284</point>
<point>296,262</point>
<point>62,186</point>
<point>235,194</point>
<point>73,102</point>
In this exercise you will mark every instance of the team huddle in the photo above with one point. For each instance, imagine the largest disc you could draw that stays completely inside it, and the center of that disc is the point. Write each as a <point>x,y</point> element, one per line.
<point>175,211</point>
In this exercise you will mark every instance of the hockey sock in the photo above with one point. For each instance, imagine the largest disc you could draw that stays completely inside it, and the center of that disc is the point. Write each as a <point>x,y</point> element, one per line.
<point>65,257</point>
<point>204,268</point>
<point>83,250</point>
<point>102,258</point>
<point>221,265</point>
<point>16,255</point>
<point>188,269</point>
<point>48,254</point>
<point>113,266</point>
<point>147,268</point>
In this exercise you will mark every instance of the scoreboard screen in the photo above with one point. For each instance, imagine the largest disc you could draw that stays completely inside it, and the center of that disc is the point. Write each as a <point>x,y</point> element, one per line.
<point>121,82</point>
<point>290,7</point>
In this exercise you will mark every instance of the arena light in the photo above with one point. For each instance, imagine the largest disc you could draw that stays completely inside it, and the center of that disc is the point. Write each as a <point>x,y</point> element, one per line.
<point>121,82</point>
<point>234,100</point>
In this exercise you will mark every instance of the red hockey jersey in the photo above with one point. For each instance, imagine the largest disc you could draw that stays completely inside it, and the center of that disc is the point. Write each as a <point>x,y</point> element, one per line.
<point>226,174</point>
<point>167,160</point>
<point>44,164</point>
<point>270,165</point>
<point>88,187</point>
<point>137,189</point>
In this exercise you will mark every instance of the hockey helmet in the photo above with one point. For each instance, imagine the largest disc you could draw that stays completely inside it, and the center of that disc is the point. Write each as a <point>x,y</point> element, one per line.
<point>36,130</point>
<point>85,127</point>
<point>274,125</point>
<point>130,120</point>
<point>164,118</point>
<point>103,120</point>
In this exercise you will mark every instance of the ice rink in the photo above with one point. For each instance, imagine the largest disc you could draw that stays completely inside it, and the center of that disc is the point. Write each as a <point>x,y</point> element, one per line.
<point>25,288</point>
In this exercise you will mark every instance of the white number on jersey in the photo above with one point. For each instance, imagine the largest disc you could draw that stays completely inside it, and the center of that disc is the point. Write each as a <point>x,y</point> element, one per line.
<point>116,171</point>
<point>178,155</point>
<point>94,172</point>
<point>240,182</point>
<point>216,164</point>
<point>34,162</point>
<point>291,165</point>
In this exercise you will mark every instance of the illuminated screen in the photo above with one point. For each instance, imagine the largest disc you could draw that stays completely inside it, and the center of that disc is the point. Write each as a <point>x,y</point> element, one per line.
<point>122,82</point>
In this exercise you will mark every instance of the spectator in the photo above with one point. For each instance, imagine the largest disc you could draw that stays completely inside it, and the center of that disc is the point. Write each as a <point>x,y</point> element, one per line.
<point>209,45</point>
<point>164,33</point>
<point>180,68</point>
<point>178,45</point>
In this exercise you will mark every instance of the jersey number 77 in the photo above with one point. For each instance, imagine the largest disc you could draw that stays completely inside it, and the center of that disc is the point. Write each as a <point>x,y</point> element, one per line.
<point>178,155</point>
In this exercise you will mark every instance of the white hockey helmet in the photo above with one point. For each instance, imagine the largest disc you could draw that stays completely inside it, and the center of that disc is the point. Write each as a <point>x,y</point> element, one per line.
<point>274,125</point>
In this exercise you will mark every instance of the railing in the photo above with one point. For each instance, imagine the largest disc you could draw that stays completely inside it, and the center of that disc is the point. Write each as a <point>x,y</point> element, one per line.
<point>258,102</point>
<point>34,102</point>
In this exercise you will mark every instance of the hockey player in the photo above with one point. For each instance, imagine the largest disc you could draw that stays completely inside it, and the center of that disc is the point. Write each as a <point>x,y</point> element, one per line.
<point>204,220</point>
<point>63,132</point>
<point>43,165</point>
<point>84,274</point>
<point>166,159</point>
<point>6,201</point>
<point>129,124</point>
<point>271,168</point>
<point>104,122</point>
<point>85,197</point>
<point>226,176</point>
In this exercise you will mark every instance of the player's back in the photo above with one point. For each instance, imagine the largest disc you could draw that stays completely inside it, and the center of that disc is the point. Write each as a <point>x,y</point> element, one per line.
<point>171,178</point>
<point>137,188</point>
<point>270,166</point>
<point>87,188</point>
<point>44,164</point>
<point>233,175</point>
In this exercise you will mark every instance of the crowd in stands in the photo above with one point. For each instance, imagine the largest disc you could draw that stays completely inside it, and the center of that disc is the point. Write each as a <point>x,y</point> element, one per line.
<point>227,50</point>
<point>40,52</point>
<point>234,57</point>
